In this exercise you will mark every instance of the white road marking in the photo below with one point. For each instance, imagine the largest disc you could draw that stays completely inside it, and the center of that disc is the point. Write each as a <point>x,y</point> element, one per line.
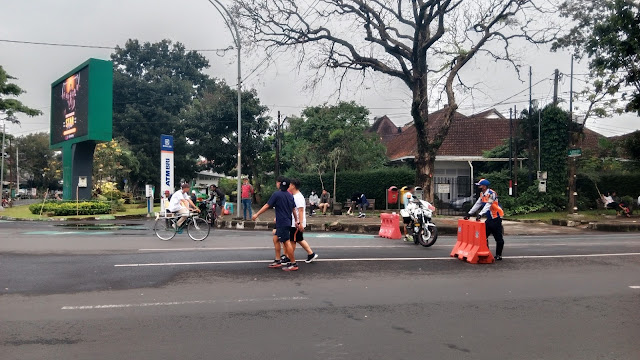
<point>121,306</point>
<point>634,287</point>
<point>371,259</point>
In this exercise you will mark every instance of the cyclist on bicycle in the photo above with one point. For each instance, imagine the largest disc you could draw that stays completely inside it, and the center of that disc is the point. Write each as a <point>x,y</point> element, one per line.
<point>181,203</point>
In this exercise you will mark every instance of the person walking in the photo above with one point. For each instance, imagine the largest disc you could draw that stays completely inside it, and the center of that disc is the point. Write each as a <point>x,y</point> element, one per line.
<point>488,204</point>
<point>283,203</point>
<point>298,230</point>
<point>247,195</point>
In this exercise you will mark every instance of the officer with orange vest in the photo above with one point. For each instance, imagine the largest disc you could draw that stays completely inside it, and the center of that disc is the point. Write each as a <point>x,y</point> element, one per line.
<point>488,204</point>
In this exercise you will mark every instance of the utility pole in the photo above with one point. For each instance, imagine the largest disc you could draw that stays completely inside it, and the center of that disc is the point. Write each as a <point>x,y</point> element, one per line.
<point>572,160</point>
<point>4,130</point>
<point>530,134</point>
<point>510,151</point>
<point>278,147</point>
<point>515,157</point>
<point>555,87</point>
<point>17,172</point>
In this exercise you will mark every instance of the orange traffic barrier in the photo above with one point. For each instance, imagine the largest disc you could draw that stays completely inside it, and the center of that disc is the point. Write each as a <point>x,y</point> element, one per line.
<point>390,226</point>
<point>472,243</point>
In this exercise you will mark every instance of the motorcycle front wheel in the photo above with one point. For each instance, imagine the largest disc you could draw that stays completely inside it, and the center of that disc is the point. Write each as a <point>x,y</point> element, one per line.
<point>428,236</point>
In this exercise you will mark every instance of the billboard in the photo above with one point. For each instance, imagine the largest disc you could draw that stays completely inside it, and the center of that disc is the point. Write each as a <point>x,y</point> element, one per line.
<point>81,104</point>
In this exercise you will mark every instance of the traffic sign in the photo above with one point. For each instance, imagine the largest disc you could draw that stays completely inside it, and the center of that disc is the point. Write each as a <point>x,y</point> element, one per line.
<point>574,152</point>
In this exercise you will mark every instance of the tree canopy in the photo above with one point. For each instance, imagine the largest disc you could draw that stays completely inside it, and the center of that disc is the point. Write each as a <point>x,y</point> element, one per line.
<point>153,85</point>
<point>310,140</point>
<point>607,32</point>
<point>425,44</point>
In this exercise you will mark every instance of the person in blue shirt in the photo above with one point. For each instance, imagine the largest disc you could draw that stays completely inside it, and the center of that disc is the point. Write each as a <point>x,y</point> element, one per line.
<point>283,203</point>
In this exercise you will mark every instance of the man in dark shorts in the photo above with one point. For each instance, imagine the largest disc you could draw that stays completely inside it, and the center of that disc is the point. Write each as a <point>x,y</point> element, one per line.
<point>297,228</point>
<point>282,202</point>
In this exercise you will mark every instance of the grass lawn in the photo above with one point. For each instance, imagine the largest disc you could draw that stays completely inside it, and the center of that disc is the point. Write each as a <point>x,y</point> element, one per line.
<point>22,212</point>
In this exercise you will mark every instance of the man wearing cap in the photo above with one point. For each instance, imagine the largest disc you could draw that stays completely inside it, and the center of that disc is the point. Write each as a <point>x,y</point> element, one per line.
<point>488,204</point>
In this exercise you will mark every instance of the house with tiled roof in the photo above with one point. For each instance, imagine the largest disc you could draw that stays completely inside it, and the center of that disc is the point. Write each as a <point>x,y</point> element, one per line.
<point>463,145</point>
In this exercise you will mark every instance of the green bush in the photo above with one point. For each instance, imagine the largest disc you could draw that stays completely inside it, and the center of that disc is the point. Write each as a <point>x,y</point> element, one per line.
<point>71,208</point>
<point>373,183</point>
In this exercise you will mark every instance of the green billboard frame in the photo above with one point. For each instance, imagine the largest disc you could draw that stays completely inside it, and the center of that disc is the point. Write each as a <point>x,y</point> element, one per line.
<point>77,153</point>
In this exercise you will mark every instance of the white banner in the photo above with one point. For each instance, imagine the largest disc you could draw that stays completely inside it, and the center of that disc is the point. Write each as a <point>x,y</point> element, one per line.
<point>166,165</point>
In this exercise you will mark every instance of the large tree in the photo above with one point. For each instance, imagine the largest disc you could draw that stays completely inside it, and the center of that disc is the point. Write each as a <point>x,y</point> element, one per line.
<point>37,156</point>
<point>423,43</point>
<point>310,139</point>
<point>153,85</point>
<point>211,125</point>
<point>607,32</point>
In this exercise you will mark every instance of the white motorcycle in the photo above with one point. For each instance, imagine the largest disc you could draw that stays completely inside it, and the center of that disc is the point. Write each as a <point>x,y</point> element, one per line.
<point>419,212</point>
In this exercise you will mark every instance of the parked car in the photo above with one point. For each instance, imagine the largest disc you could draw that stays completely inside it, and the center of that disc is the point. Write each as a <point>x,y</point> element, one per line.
<point>459,205</point>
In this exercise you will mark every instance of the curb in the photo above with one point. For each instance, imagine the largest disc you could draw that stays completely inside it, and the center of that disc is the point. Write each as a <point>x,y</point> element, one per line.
<point>335,227</point>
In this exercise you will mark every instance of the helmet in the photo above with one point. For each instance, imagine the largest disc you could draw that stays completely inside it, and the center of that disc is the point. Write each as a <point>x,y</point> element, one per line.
<point>484,182</point>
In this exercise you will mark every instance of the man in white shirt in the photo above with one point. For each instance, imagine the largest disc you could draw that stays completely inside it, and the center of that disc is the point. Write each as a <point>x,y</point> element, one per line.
<point>181,203</point>
<point>297,229</point>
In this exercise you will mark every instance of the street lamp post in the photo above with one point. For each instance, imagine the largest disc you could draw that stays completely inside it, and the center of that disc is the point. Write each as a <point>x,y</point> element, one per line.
<point>233,28</point>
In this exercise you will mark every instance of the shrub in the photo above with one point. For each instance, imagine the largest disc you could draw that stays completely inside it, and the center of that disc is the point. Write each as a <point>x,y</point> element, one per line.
<point>71,208</point>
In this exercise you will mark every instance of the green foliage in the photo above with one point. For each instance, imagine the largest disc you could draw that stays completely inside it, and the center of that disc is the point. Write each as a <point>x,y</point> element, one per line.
<point>153,85</point>
<point>211,124</point>
<point>59,208</point>
<point>327,134</point>
<point>607,32</point>
<point>554,145</point>
<point>9,105</point>
<point>35,156</point>
<point>631,145</point>
<point>230,188</point>
<point>113,160</point>
<point>373,183</point>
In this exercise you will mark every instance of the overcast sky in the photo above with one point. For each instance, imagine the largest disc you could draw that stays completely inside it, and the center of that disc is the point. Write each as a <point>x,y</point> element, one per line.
<point>280,86</point>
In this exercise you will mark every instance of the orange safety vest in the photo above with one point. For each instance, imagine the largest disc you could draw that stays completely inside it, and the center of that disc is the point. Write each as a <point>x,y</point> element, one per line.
<point>495,209</point>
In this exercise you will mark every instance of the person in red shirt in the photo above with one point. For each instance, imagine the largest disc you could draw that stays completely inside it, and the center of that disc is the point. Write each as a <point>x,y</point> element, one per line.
<point>247,195</point>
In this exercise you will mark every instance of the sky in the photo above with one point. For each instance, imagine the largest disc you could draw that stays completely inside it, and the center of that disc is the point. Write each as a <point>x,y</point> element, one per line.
<point>280,84</point>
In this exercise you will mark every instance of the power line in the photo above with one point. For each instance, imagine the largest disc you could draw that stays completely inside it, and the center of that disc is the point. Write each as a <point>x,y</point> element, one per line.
<point>89,46</point>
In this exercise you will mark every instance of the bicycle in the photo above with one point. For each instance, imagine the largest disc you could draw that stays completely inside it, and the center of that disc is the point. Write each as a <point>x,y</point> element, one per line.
<point>208,212</point>
<point>166,227</point>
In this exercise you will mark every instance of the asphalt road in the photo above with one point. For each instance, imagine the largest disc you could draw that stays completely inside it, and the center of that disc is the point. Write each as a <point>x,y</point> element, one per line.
<point>120,293</point>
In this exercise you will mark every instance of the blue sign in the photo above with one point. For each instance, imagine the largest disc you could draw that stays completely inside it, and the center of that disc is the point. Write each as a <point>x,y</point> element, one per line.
<point>166,142</point>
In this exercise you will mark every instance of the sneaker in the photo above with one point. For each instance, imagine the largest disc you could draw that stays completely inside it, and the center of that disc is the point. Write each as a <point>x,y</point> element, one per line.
<point>408,238</point>
<point>275,264</point>
<point>179,231</point>
<point>498,257</point>
<point>291,267</point>
<point>311,257</point>
<point>284,259</point>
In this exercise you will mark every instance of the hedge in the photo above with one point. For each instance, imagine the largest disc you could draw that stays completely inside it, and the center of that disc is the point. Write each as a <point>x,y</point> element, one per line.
<point>71,208</point>
<point>373,183</point>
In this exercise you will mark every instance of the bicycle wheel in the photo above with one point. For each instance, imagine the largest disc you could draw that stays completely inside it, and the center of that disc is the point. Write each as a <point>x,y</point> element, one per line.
<point>164,229</point>
<point>198,229</point>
